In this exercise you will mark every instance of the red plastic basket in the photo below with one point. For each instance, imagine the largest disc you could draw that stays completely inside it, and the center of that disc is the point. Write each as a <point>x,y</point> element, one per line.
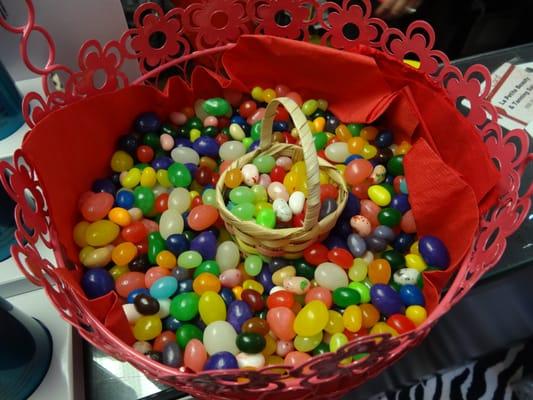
<point>213,26</point>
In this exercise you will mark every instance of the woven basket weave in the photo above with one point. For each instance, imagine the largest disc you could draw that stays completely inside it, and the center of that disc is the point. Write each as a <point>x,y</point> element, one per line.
<point>288,242</point>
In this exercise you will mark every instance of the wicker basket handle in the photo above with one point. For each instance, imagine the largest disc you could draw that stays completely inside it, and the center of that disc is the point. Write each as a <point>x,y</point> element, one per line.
<point>309,152</point>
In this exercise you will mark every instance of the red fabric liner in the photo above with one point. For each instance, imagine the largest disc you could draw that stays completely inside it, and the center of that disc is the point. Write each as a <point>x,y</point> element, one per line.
<point>73,146</point>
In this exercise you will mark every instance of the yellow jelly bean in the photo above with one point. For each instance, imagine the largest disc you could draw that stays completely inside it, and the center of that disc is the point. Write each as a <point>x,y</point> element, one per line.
<point>324,178</point>
<point>79,233</point>
<point>166,259</point>
<point>131,178</point>
<point>101,232</point>
<point>337,341</point>
<point>329,135</point>
<point>294,133</point>
<point>352,318</point>
<point>343,133</point>
<point>275,360</point>
<point>323,104</point>
<point>257,94</point>
<point>290,181</point>
<point>340,168</point>
<point>415,261</point>
<point>270,345</point>
<point>299,168</point>
<point>237,291</point>
<point>281,274</point>
<point>162,178</point>
<point>417,314</point>
<point>121,161</point>
<point>403,148</point>
<point>147,327</point>
<point>194,134</point>
<point>382,327</point>
<point>307,343</point>
<point>379,195</point>
<point>369,151</point>
<point>120,216</point>
<point>311,126</point>
<point>311,319</point>
<point>358,270</point>
<point>211,307</point>
<point>269,95</point>
<point>124,253</point>
<point>253,285</point>
<point>118,270</point>
<point>148,177</point>
<point>414,248</point>
<point>98,258</point>
<point>84,252</point>
<point>319,123</point>
<point>335,323</point>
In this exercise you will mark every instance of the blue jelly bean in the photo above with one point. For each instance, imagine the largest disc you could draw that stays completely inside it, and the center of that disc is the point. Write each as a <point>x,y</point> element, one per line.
<point>356,245</point>
<point>280,126</point>
<point>343,228</point>
<point>375,244</point>
<point>162,162</point>
<point>104,185</point>
<point>352,207</point>
<point>182,142</point>
<point>352,157</point>
<point>134,293</point>
<point>129,143</point>
<point>384,139</point>
<point>265,278</point>
<point>389,179</point>
<point>125,199</point>
<point>147,122</point>
<point>97,282</point>
<point>401,203</point>
<point>277,263</point>
<point>206,146</point>
<point>171,323</point>
<point>182,274</point>
<point>164,287</point>
<point>221,360</point>
<point>434,252</point>
<point>192,168</point>
<point>403,242</point>
<point>227,295</point>
<point>384,232</point>
<point>177,244</point>
<point>238,313</point>
<point>403,186</point>
<point>185,286</point>
<point>253,146</point>
<point>386,299</point>
<point>411,295</point>
<point>205,243</point>
<point>333,241</point>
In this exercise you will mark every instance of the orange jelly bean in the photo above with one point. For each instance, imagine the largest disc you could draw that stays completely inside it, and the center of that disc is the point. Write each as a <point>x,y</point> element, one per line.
<point>370,315</point>
<point>166,259</point>
<point>369,132</point>
<point>124,253</point>
<point>379,271</point>
<point>206,282</point>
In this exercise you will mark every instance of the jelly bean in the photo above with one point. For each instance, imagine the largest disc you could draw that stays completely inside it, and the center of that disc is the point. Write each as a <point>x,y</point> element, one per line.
<point>247,108</point>
<point>172,354</point>
<point>253,299</point>
<point>416,314</point>
<point>337,341</point>
<point>370,315</point>
<point>327,207</point>
<point>187,332</point>
<point>241,194</point>
<point>184,306</point>
<point>250,342</point>
<point>337,152</point>
<point>220,336</point>
<point>352,318</point>
<point>260,193</point>
<point>142,347</point>
<point>434,252</point>
<point>416,262</point>
<point>362,289</point>
<point>316,254</point>
<point>389,217</point>
<point>206,244</point>
<point>370,210</point>
<point>255,325</point>
<point>280,275</point>
<point>216,106</point>
<point>132,315</point>
<point>128,282</point>
<point>97,282</point>
<point>280,320</point>
<point>378,174</point>
<point>153,274</point>
<point>282,210</point>
<point>147,328</point>
<point>101,232</point>
<point>156,244</point>
<point>177,244</point>
<point>386,299</point>
<point>179,175</point>
<point>335,323</point>
<point>121,161</point>
<point>253,265</point>
<point>164,287</point>
<point>296,358</point>
<point>267,218</point>
<point>340,257</point>
<point>250,174</point>
<point>231,150</point>
<point>309,107</point>
<point>221,360</point>
<point>379,195</point>
<point>146,304</point>
<point>400,323</point>
<point>331,276</point>
<point>407,223</point>
<point>211,307</point>
<point>296,202</point>
<point>411,295</point>
<point>358,271</point>
<point>277,190</point>
<point>312,318</point>
<point>118,270</point>
<point>238,313</point>
<point>236,132</point>
<point>206,282</point>
<point>297,284</point>
<point>406,276</point>
<point>379,271</point>
<point>344,297</point>
<point>307,343</point>
<point>202,217</point>
<point>227,255</point>
<point>231,278</point>
<point>189,259</point>
<point>395,165</point>
<point>208,266</point>
<point>320,294</point>
<point>250,361</point>
<point>281,298</point>
<point>234,178</point>
<point>96,206</point>
<point>185,155</point>
<point>166,259</point>
<point>194,356</point>
<point>96,258</point>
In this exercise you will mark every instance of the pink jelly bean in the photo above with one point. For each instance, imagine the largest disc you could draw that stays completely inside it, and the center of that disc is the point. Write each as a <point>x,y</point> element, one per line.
<point>151,226</point>
<point>97,206</point>
<point>211,121</point>
<point>256,116</point>
<point>280,320</point>
<point>129,281</point>
<point>408,222</point>
<point>264,180</point>
<point>295,358</point>
<point>276,190</point>
<point>370,210</point>
<point>357,171</point>
<point>230,278</point>
<point>153,274</point>
<point>284,347</point>
<point>295,97</point>
<point>166,141</point>
<point>281,90</point>
<point>319,293</point>
<point>178,118</point>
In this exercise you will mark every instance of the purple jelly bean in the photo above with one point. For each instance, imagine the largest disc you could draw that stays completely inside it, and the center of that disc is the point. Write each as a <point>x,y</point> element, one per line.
<point>434,252</point>
<point>386,299</point>
<point>238,313</point>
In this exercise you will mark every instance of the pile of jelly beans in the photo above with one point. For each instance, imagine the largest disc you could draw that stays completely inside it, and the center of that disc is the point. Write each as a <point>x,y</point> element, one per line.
<point>274,192</point>
<point>151,232</point>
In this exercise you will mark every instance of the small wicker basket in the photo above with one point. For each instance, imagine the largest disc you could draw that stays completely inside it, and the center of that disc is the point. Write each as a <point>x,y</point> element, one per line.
<point>287,242</point>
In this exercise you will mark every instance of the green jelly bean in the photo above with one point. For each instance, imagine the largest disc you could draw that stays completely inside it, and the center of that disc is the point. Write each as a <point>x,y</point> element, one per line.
<point>194,123</point>
<point>317,113</point>
<point>395,259</point>
<point>244,211</point>
<point>210,131</point>
<point>251,343</point>
<point>265,164</point>
<point>322,348</point>
<point>304,269</point>
<point>360,356</point>
<point>241,194</point>
<point>184,306</point>
<point>186,332</point>
<point>216,106</point>
<point>309,107</point>
<point>179,175</point>
<point>256,130</point>
<point>395,165</point>
<point>390,217</point>
<point>253,265</point>
<point>320,139</point>
<point>152,139</point>
<point>189,235</point>
<point>168,129</point>
<point>260,193</point>
<point>247,142</point>
<point>355,129</point>
<point>266,217</point>
<point>209,197</point>
<point>189,259</point>
<point>209,266</point>
<point>362,290</point>
<point>144,199</point>
<point>345,296</point>
<point>156,244</point>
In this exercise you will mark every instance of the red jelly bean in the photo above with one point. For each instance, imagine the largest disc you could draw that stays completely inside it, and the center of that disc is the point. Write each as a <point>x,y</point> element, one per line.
<point>316,254</point>
<point>247,109</point>
<point>145,153</point>
<point>361,190</point>
<point>164,338</point>
<point>203,176</point>
<point>202,217</point>
<point>277,174</point>
<point>134,232</point>
<point>281,298</point>
<point>253,299</point>
<point>328,191</point>
<point>221,138</point>
<point>298,220</point>
<point>161,202</point>
<point>281,114</point>
<point>401,323</point>
<point>197,201</point>
<point>341,257</point>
